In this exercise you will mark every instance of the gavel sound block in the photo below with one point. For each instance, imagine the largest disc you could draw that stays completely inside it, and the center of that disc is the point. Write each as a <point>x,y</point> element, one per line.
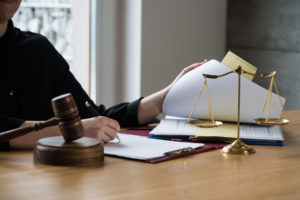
<point>70,149</point>
<point>81,152</point>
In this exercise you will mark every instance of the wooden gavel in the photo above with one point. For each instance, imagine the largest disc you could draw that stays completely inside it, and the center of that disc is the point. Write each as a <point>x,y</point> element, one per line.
<point>66,116</point>
<point>70,150</point>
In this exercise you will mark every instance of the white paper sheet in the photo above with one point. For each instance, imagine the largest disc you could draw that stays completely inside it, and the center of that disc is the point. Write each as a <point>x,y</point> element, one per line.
<point>264,133</point>
<point>223,95</point>
<point>143,148</point>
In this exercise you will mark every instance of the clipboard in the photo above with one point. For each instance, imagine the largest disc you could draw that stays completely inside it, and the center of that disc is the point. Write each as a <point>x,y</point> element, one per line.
<point>147,149</point>
<point>144,131</point>
<point>207,147</point>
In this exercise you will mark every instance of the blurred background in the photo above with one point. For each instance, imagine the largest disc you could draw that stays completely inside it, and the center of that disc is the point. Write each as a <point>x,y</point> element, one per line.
<point>120,50</point>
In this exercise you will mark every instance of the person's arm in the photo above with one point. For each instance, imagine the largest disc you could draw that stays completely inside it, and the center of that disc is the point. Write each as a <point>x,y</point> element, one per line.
<point>151,106</point>
<point>8,123</point>
<point>102,128</point>
<point>28,141</point>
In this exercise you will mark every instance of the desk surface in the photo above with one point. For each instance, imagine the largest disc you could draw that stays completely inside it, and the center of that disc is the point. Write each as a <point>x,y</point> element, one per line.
<point>272,173</point>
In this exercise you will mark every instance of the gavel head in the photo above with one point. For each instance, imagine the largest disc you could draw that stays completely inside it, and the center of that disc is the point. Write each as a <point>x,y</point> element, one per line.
<point>66,112</point>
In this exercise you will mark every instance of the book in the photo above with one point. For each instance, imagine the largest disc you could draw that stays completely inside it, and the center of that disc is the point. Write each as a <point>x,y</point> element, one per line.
<point>249,133</point>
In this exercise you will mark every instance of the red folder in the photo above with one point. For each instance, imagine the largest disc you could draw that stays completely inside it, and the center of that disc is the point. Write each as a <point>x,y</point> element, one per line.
<point>144,131</point>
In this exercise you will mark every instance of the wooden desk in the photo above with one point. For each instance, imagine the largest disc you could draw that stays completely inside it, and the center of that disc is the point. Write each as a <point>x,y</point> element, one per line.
<point>272,173</point>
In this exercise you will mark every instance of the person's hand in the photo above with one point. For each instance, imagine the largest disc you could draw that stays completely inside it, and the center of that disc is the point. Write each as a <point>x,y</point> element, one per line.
<point>188,69</point>
<point>183,72</point>
<point>101,128</point>
<point>151,106</point>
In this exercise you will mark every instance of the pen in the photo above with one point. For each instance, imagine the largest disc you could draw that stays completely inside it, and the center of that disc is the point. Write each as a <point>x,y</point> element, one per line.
<point>95,113</point>
<point>179,151</point>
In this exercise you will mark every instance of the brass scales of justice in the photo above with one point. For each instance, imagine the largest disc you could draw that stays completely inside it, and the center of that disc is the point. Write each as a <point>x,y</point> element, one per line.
<point>238,146</point>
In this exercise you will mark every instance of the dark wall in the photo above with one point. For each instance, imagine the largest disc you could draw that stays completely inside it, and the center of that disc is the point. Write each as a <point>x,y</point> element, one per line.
<point>266,33</point>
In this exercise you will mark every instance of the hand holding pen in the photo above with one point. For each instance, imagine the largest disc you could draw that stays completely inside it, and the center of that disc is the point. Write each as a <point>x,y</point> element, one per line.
<point>95,113</point>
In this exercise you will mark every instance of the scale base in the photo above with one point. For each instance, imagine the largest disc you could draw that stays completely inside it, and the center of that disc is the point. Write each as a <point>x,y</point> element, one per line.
<point>238,147</point>
<point>82,152</point>
<point>271,121</point>
<point>205,123</point>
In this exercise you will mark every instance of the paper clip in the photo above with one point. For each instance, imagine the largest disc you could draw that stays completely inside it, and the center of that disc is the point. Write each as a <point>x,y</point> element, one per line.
<point>179,151</point>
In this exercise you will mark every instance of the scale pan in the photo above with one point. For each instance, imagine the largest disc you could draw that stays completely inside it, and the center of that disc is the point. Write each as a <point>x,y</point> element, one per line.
<point>205,123</point>
<point>271,121</point>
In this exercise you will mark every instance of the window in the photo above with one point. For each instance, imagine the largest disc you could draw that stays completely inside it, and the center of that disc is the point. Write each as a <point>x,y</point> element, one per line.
<point>55,19</point>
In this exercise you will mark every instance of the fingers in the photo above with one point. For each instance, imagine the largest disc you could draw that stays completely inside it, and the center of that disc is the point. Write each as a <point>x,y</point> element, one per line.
<point>108,128</point>
<point>195,65</point>
<point>192,67</point>
<point>186,70</point>
<point>104,138</point>
<point>112,123</point>
<point>101,128</point>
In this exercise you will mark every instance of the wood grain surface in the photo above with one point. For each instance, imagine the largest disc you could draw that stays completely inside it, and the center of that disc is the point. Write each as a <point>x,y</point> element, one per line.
<point>273,172</point>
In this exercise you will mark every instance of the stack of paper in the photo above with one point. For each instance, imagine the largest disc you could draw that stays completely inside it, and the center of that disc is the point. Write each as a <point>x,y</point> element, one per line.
<point>223,93</point>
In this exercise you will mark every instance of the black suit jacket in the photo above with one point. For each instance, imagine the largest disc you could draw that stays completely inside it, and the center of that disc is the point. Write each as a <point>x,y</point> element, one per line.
<point>32,72</point>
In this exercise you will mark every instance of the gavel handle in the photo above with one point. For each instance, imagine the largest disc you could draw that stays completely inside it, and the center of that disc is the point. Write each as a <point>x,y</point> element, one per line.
<point>8,135</point>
